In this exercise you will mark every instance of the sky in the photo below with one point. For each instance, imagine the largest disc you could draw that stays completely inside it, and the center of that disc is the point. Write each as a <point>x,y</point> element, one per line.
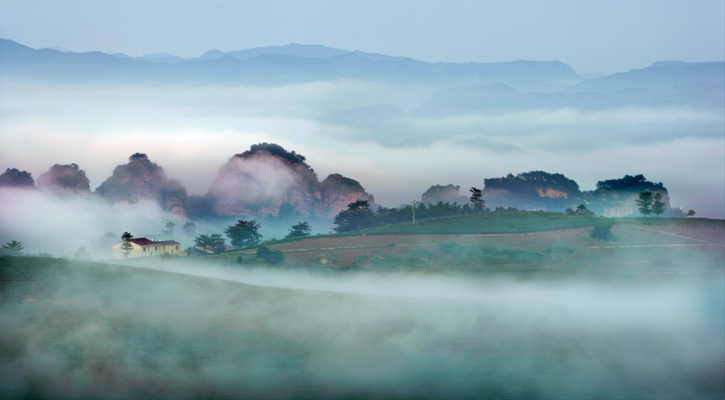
<point>603,36</point>
<point>191,132</point>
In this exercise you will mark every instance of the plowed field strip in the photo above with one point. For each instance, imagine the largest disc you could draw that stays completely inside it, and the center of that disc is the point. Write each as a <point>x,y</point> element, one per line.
<point>680,236</point>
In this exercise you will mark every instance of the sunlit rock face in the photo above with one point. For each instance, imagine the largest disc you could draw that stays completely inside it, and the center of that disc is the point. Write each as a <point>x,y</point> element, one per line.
<point>65,180</point>
<point>142,181</point>
<point>264,180</point>
<point>338,192</point>
<point>535,190</point>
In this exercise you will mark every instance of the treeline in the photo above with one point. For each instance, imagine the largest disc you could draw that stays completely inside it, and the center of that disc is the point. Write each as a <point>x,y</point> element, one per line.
<point>359,215</point>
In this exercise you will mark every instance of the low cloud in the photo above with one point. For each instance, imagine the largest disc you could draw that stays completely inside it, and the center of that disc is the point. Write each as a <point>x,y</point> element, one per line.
<point>193,131</point>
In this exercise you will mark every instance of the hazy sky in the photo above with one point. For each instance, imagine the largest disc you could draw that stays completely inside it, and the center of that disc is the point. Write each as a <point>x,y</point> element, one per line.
<point>191,132</point>
<point>590,35</point>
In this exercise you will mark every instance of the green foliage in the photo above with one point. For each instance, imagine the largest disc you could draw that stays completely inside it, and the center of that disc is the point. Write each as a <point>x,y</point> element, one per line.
<point>270,256</point>
<point>581,209</point>
<point>189,229</point>
<point>244,233</point>
<point>658,206</point>
<point>126,246</point>
<point>601,232</point>
<point>168,228</point>
<point>628,183</point>
<point>477,202</point>
<point>12,248</point>
<point>691,213</point>
<point>213,242</point>
<point>644,203</point>
<point>275,150</point>
<point>299,230</point>
<point>358,216</point>
<point>239,260</point>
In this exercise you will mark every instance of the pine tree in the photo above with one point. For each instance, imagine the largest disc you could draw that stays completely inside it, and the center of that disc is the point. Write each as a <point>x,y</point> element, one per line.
<point>644,203</point>
<point>126,246</point>
<point>658,206</point>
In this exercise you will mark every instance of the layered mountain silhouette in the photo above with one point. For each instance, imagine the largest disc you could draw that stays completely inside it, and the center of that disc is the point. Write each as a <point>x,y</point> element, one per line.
<point>275,65</point>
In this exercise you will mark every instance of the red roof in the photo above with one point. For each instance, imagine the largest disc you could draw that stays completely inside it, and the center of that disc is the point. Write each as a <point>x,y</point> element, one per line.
<point>146,242</point>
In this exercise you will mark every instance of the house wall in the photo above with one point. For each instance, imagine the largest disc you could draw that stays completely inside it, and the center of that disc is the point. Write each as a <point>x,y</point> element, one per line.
<point>146,251</point>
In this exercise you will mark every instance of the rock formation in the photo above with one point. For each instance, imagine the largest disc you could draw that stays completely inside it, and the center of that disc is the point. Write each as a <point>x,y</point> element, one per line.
<point>535,190</point>
<point>267,180</point>
<point>446,194</point>
<point>65,180</point>
<point>615,197</point>
<point>338,192</point>
<point>141,181</point>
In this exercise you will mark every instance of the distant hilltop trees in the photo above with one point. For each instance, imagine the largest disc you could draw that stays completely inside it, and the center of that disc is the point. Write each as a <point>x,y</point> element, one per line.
<point>539,190</point>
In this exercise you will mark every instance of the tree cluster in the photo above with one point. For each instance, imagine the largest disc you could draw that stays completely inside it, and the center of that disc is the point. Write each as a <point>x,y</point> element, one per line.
<point>359,215</point>
<point>581,209</point>
<point>649,203</point>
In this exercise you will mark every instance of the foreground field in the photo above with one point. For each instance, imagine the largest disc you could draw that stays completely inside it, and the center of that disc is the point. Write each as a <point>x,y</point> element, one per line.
<point>85,330</point>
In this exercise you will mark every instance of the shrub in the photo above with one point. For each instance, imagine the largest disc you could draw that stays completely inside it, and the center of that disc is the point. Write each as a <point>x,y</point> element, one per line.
<point>601,232</point>
<point>270,256</point>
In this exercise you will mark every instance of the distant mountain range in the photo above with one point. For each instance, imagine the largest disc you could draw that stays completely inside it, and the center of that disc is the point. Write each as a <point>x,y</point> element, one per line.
<point>464,87</point>
<point>278,65</point>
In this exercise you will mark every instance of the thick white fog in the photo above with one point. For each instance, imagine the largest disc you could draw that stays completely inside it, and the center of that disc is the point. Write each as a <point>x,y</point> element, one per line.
<point>191,131</point>
<point>138,335</point>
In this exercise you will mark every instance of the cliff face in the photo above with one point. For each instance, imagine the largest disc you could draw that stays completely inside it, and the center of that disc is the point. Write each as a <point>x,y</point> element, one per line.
<point>535,190</point>
<point>65,180</point>
<point>142,181</point>
<point>269,181</point>
<point>264,180</point>
<point>338,192</point>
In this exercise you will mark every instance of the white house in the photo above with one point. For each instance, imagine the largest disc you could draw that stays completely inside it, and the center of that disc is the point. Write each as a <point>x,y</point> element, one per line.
<point>142,247</point>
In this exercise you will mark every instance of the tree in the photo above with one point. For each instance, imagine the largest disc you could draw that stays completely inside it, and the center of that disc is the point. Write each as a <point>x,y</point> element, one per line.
<point>244,233</point>
<point>601,232</point>
<point>169,229</point>
<point>82,254</point>
<point>270,256</point>
<point>299,230</point>
<point>690,213</point>
<point>477,201</point>
<point>126,246</point>
<point>189,229</point>
<point>644,203</point>
<point>581,209</point>
<point>658,206</point>
<point>13,248</point>
<point>357,216</point>
<point>214,242</point>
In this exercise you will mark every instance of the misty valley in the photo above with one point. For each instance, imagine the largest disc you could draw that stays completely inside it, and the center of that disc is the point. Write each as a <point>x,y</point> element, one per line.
<point>506,230</point>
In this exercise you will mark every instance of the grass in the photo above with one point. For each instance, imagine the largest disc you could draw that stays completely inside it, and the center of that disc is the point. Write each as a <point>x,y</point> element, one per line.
<point>491,222</point>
